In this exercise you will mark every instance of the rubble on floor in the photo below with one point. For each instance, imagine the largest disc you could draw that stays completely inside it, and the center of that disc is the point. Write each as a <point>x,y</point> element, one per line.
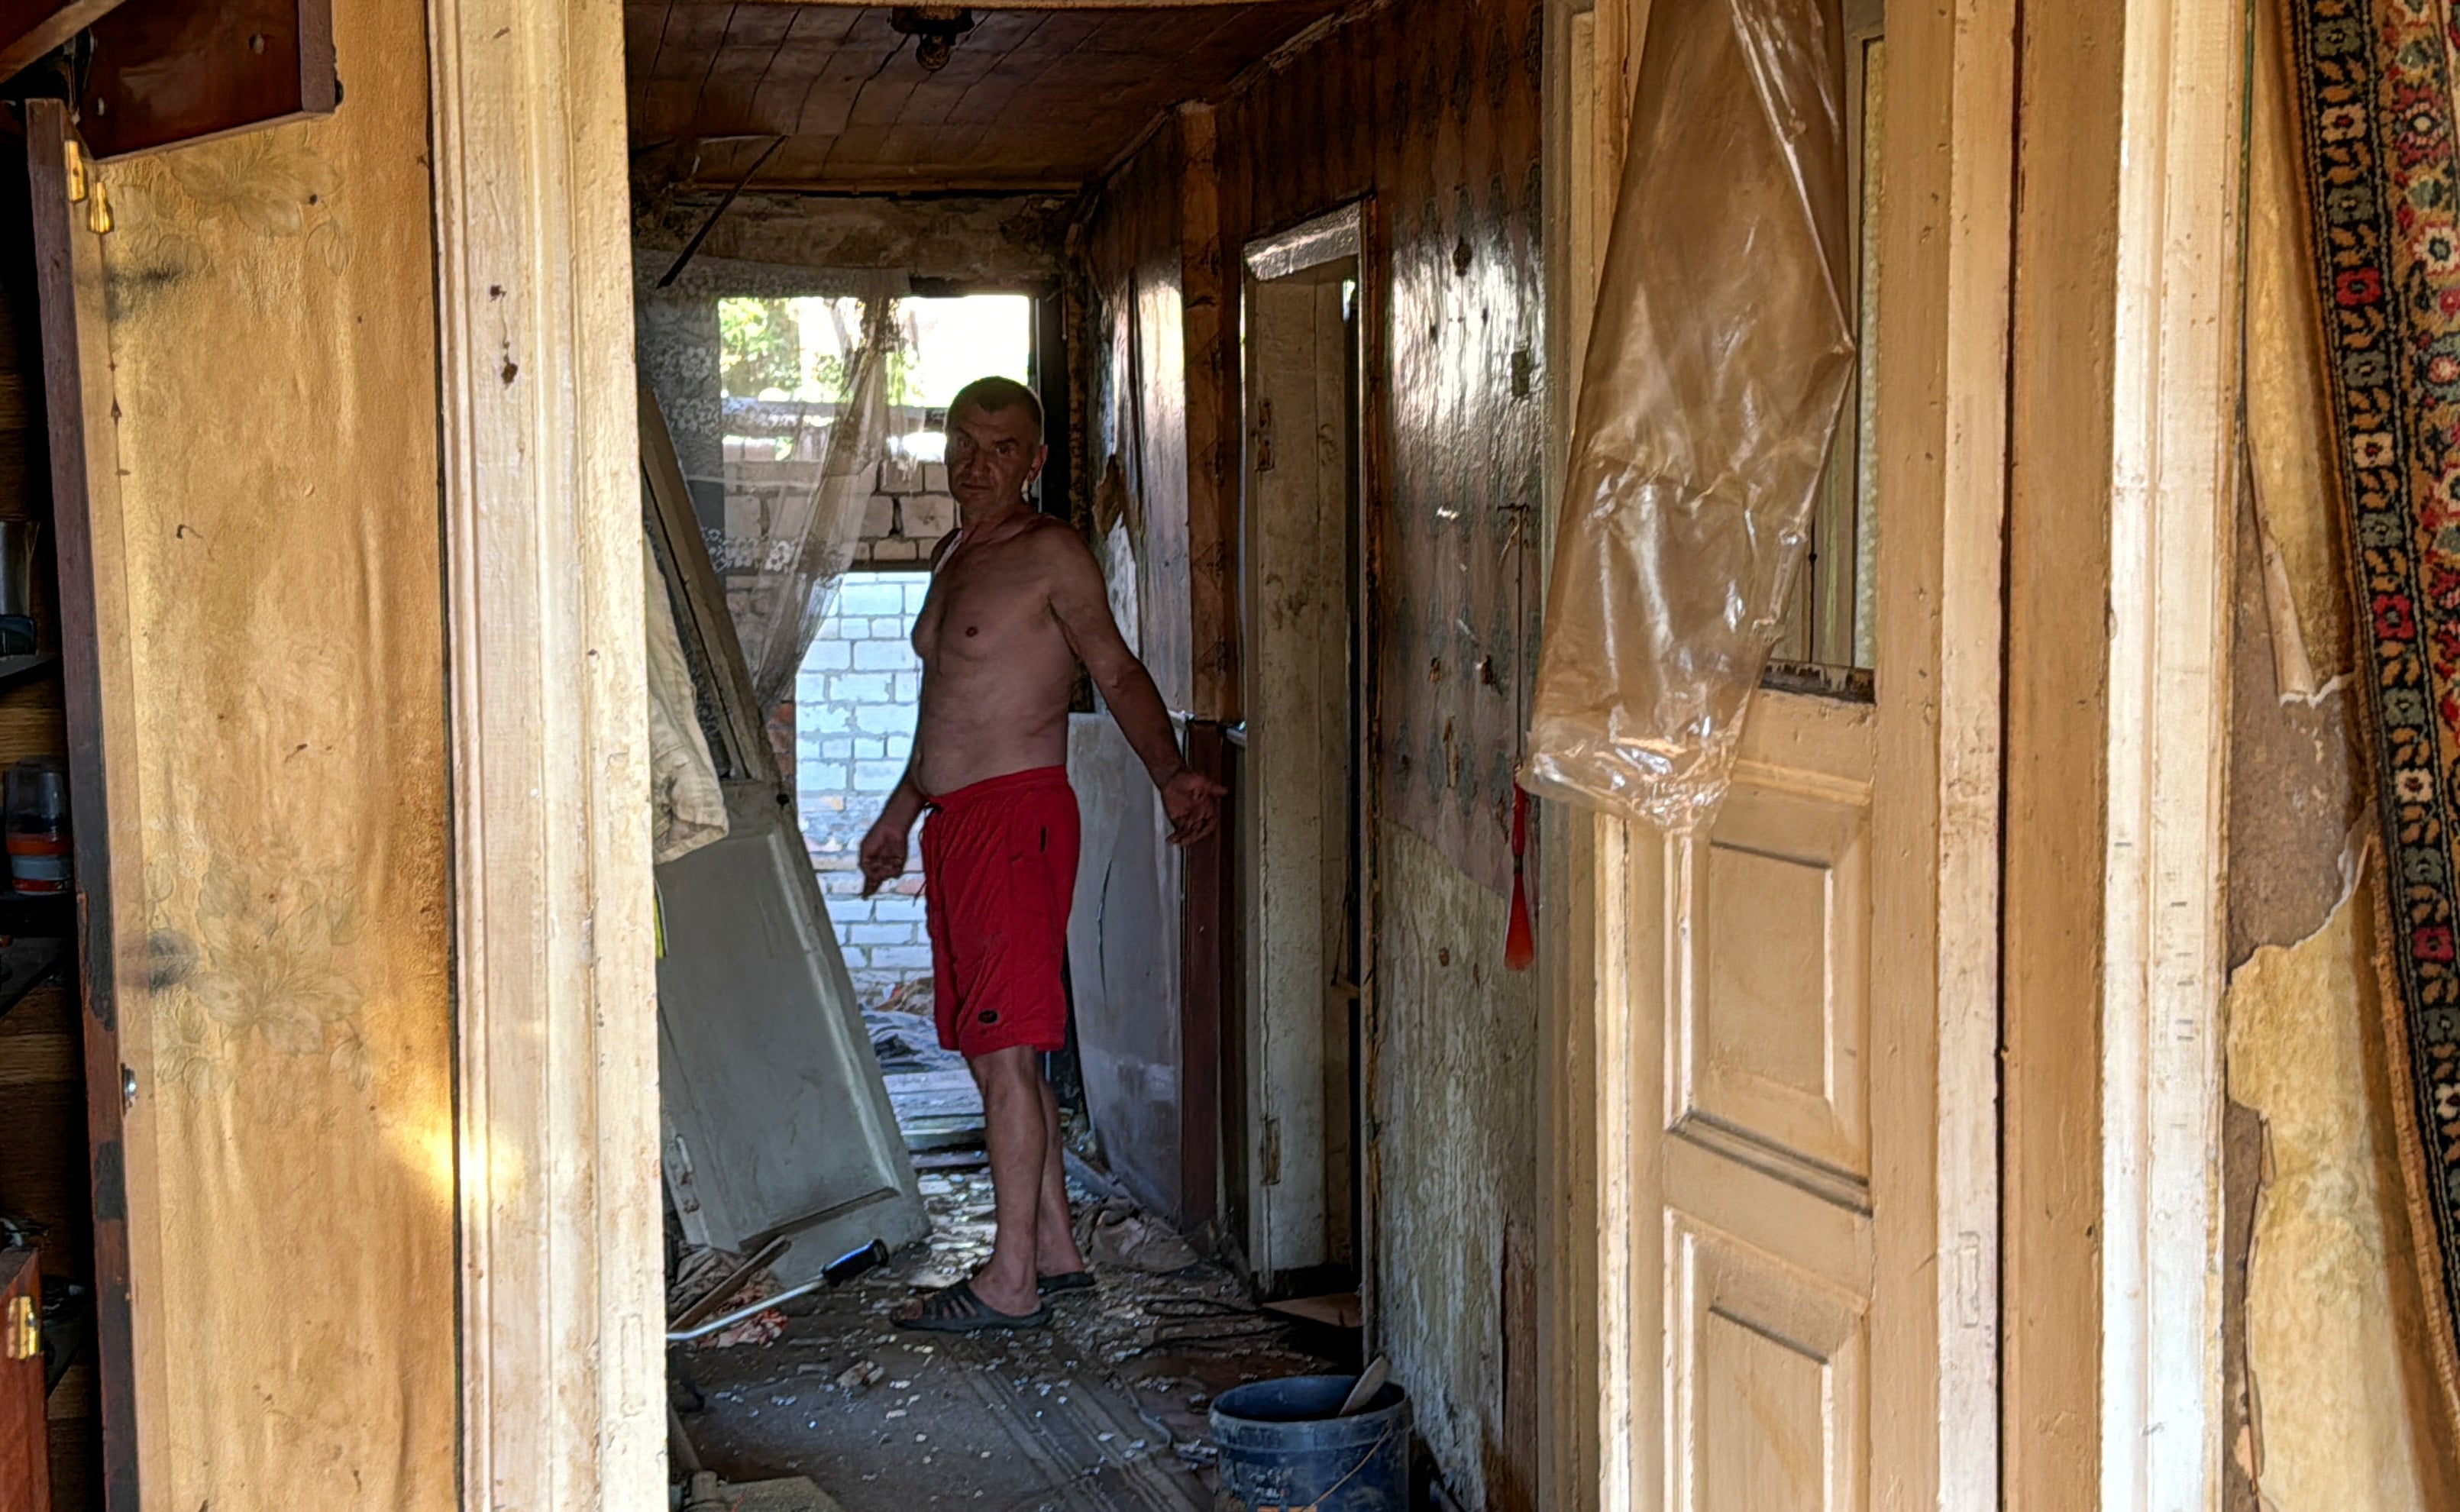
<point>794,1494</point>
<point>938,1105</point>
<point>1104,1409</point>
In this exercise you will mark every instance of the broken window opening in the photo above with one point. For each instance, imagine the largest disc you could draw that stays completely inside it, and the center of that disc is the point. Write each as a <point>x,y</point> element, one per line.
<point>1829,641</point>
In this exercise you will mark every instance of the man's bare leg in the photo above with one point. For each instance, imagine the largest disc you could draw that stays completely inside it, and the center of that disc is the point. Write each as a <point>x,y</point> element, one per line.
<point>1016,1127</point>
<point>1056,1251</point>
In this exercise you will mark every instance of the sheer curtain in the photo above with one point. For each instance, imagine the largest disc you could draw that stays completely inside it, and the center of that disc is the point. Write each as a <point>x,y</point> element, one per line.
<point>797,475</point>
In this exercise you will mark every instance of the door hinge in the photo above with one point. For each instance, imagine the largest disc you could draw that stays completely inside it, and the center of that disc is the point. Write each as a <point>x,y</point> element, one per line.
<point>1265,436</point>
<point>24,1334</point>
<point>1272,1152</point>
<point>127,1089</point>
<point>73,166</point>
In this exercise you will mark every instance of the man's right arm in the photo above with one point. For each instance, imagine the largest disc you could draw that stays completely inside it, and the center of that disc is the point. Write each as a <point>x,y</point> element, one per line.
<point>883,848</point>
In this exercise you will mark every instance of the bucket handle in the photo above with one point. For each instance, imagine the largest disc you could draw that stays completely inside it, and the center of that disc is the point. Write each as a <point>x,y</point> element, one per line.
<point>1372,1450</point>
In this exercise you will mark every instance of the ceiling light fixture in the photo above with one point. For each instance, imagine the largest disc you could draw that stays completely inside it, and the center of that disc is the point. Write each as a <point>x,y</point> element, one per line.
<point>935,30</point>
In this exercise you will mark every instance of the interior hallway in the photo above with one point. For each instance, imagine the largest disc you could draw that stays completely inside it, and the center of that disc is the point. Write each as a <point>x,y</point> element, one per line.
<point>1105,1409</point>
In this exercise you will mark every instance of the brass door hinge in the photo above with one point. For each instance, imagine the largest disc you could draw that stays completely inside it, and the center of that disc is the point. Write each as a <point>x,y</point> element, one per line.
<point>24,1334</point>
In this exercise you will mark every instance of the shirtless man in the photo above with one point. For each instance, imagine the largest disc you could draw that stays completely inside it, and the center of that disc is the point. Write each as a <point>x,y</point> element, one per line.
<point>1016,602</point>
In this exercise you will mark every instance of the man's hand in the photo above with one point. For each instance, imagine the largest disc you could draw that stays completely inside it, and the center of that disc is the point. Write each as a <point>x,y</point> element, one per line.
<point>1189,798</point>
<point>884,854</point>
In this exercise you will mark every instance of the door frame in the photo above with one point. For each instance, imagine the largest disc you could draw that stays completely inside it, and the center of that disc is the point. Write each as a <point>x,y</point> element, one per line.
<point>1943,467</point>
<point>557,1114</point>
<point>1333,235</point>
<point>2173,388</point>
<point>2149,335</point>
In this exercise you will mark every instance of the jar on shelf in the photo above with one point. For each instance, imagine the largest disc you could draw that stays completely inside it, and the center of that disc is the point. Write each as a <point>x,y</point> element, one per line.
<point>36,815</point>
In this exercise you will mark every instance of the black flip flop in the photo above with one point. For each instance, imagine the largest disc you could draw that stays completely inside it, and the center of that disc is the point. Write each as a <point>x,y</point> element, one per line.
<point>1064,1282</point>
<point>956,1310</point>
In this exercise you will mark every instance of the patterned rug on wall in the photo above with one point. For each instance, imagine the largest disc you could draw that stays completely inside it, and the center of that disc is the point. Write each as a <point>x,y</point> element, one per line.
<point>2374,82</point>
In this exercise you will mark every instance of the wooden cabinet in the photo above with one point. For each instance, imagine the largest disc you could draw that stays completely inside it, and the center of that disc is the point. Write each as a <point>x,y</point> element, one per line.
<point>25,1446</point>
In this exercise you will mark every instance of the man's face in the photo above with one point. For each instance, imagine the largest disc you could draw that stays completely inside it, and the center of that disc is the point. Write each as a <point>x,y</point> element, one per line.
<point>992,455</point>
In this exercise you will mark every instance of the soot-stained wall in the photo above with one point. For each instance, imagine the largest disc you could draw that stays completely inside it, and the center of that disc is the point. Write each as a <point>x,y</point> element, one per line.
<point>1430,114</point>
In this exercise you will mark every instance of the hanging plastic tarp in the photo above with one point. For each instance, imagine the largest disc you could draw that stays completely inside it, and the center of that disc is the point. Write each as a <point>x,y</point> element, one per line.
<point>686,804</point>
<point>799,472</point>
<point>1717,368</point>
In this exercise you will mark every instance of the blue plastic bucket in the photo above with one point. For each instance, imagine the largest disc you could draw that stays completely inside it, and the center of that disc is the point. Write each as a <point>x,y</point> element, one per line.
<point>1283,1450</point>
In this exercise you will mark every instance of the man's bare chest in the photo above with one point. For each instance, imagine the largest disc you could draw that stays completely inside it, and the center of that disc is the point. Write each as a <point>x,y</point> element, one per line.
<point>984,606</point>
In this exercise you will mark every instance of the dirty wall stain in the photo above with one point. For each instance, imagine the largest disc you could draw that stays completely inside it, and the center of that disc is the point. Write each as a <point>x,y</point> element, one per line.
<point>273,343</point>
<point>2332,1406</point>
<point>1434,112</point>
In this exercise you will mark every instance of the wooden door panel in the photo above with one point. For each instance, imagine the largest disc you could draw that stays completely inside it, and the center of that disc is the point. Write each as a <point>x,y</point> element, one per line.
<point>79,407</point>
<point>1298,699</point>
<point>1773,1018</point>
<point>1770,1244</point>
<point>1802,1130</point>
<point>1768,1379</point>
<point>1723,1189</point>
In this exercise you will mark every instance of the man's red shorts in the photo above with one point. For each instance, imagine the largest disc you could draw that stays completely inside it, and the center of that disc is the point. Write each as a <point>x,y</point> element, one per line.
<point>999,873</point>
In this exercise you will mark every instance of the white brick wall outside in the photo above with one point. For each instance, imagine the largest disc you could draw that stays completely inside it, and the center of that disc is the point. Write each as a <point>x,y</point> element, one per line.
<point>854,723</point>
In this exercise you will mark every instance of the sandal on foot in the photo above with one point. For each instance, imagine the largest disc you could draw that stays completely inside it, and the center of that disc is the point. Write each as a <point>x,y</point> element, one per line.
<point>1064,1282</point>
<point>956,1310</point>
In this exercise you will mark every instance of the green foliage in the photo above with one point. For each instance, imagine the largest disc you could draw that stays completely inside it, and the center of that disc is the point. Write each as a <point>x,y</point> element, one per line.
<point>760,348</point>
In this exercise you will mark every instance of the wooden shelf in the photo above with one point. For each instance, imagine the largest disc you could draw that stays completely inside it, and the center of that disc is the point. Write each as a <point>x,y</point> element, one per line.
<point>34,940</point>
<point>11,668</point>
<point>48,915</point>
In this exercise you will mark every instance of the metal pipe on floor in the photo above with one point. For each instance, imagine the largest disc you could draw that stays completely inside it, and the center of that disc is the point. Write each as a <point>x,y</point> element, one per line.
<point>844,1269</point>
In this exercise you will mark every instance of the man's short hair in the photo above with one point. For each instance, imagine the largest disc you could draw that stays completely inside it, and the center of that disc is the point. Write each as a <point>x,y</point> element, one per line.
<point>992,395</point>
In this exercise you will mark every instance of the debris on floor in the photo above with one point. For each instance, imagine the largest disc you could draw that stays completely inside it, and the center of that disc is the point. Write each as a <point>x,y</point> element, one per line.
<point>1105,1409</point>
<point>939,1107</point>
<point>708,1279</point>
<point>904,1037</point>
<point>794,1494</point>
<point>1116,1232</point>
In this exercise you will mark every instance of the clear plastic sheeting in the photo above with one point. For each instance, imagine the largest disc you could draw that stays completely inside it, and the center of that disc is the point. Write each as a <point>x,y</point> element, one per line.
<point>686,804</point>
<point>1715,375</point>
<point>799,472</point>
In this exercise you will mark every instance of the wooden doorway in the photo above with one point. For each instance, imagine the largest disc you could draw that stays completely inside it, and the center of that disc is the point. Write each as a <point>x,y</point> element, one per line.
<point>1795,1116</point>
<point>1291,1137</point>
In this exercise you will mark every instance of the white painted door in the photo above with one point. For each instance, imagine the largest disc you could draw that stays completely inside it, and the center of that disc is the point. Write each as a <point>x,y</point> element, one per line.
<point>774,1118</point>
<point>1798,1125</point>
<point>1296,780</point>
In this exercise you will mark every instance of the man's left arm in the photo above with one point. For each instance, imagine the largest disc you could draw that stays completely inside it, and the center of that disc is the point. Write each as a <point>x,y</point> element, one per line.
<point>1083,607</point>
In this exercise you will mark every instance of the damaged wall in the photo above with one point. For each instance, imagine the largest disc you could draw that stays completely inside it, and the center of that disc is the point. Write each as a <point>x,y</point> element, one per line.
<point>1433,113</point>
<point>2330,1405</point>
<point>995,241</point>
<point>295,1058</point>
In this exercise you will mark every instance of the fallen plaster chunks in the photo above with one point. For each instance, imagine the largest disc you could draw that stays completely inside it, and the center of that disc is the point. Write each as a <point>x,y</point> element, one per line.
<point>2323,1342</point>
<point>861,1373</point>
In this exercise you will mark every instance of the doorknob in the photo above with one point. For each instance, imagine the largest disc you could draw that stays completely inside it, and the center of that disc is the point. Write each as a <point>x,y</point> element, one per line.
<point>24,1335</point>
